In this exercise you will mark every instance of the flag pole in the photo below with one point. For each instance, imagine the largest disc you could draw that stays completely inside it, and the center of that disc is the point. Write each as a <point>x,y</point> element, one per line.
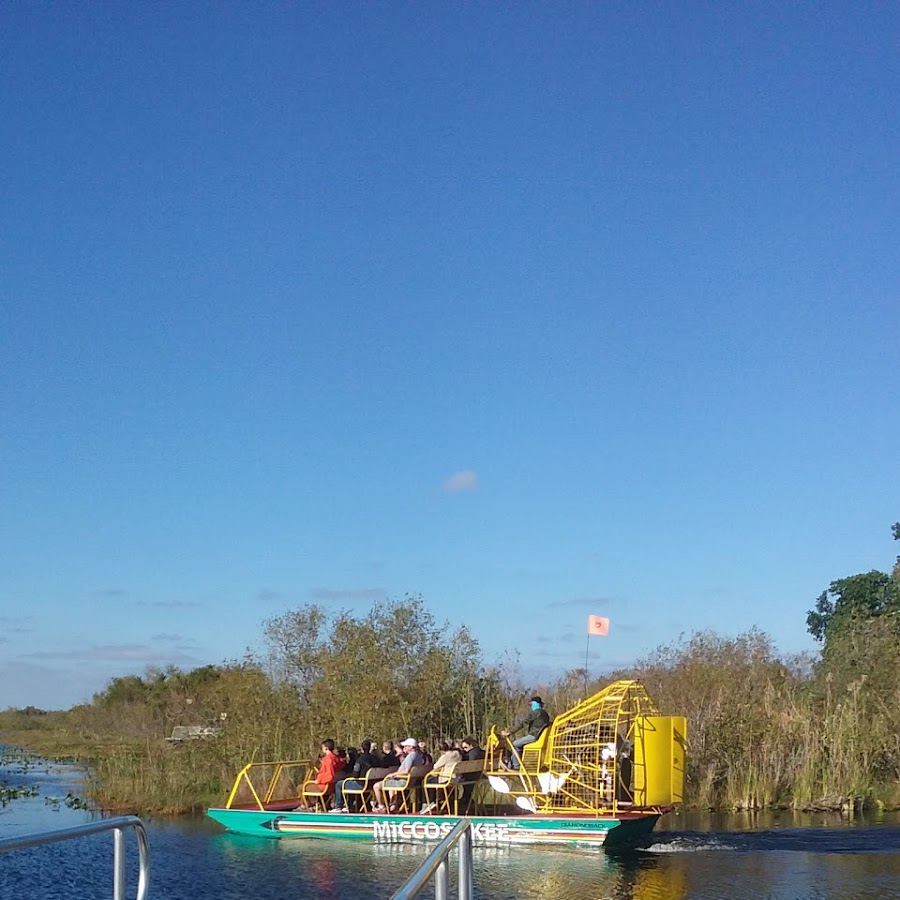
<point>595,625</point>
<point>587,647</point>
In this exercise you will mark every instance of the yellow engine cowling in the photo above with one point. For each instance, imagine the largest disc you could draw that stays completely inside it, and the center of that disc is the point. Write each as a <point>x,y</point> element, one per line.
<point>659,759</point>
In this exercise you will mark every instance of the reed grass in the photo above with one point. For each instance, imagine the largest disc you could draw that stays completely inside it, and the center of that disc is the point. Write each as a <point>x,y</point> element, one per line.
<point>764,730</point>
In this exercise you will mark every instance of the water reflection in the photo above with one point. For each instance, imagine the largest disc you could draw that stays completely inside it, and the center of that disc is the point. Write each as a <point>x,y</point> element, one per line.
<point>333,869</point>
<point>192,862</point>
<point>765,820</point>
<point>567,874</point>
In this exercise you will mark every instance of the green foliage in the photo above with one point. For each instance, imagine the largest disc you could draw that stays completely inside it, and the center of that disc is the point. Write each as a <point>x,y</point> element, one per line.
<point>895,573</point>
<point>29,719</point>
<point>734,692</point>
<point>763,729</point>
<point>867,595</point>
<point>859,686</point>
<point>389,673</point>
<point>860,596</point>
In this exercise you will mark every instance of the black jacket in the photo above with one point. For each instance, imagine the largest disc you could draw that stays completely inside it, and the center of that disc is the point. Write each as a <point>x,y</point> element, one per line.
<point>364,762</point>
<point>535,722</point>
<point>474,753</point>
<point>387,760</point>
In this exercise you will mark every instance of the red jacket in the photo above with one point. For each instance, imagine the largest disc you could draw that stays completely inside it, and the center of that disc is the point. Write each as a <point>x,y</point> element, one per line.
<point>329,768</point>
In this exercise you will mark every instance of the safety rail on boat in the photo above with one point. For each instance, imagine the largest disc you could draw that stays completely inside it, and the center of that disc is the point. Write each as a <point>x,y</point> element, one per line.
<point>117,826</point>
<point>435,865</point>
<point>278,779</point>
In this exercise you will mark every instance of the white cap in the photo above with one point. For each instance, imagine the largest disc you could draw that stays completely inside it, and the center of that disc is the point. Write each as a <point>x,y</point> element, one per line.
<point>409,742</point>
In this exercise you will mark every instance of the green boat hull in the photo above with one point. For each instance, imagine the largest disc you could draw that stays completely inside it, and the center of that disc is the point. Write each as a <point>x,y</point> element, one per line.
<point>493,831</point>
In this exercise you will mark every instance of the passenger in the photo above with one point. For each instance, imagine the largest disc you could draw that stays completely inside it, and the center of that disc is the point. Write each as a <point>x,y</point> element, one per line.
<point>429,759</point>
<point>411,758</point>
<point>329,766</point>
<point>364,761</point>
<point>471,749</point>
<point>388,758</point>
<point>624,769</point>
<point>536,720</point>
<point>469,779</point>
<point>443,767</point>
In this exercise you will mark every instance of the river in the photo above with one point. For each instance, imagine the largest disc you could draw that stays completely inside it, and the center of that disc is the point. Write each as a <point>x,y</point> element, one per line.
<point>702,857</point>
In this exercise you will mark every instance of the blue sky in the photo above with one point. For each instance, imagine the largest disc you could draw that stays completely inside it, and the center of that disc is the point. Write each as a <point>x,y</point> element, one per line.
<point>538,310</point>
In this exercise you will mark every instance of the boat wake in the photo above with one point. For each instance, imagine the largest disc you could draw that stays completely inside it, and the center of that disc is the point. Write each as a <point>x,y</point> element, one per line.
<point>798,840</point>
<point>689,843</point>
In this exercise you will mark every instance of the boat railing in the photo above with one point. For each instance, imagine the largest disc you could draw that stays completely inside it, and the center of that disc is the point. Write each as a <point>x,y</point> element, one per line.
<point>266,782</point>
<point>117,826</point>
<point>435,866</point>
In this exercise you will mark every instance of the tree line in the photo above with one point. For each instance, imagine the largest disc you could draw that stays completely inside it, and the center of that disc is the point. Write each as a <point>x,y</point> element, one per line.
<point>818,731</point>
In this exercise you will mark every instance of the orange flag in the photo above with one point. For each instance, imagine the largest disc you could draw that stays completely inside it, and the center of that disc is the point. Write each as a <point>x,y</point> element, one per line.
<point>598,625</point>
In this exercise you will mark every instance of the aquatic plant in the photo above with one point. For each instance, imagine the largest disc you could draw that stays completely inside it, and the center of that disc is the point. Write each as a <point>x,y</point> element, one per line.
<point>8,794</point>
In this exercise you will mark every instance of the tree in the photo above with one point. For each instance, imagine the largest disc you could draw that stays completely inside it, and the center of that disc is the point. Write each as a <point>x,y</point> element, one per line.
<point>864,596</point>
<point>391,672</point>
<point>896,573</point>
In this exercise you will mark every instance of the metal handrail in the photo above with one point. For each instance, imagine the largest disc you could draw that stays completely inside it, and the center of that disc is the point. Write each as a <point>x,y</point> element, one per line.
<point>274,780</point>
<point>117,826</point>
<point>435,864</point>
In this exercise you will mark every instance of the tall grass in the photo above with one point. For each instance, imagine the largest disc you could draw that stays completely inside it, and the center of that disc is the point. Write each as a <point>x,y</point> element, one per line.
<point>764,730</point>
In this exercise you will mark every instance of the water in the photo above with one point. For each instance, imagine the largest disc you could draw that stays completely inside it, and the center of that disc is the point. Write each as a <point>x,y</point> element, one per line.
<point>780,857</point>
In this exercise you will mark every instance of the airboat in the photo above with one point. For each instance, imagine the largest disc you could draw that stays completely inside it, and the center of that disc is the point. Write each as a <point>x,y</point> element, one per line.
<point>603,772</point>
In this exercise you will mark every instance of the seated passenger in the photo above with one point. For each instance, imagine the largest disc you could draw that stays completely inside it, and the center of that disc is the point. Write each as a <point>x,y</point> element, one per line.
<point>411,758</point>
<point>364,761</point>
<point>443,767</point>
<point>387,759</point>
<point>329,767</point>
<point>534,722</point>
<point>469,779</point>
<point>472,750</point>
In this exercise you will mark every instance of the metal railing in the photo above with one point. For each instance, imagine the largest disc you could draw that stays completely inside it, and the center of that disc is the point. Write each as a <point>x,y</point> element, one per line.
<point>435,864</point>
<point>117,826</point>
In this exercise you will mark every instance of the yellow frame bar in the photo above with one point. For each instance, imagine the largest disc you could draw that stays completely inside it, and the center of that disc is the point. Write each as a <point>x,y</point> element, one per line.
<point>243,775</point>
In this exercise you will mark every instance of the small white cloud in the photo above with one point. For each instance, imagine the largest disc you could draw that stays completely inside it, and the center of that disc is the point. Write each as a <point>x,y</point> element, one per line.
<point>467,480</point>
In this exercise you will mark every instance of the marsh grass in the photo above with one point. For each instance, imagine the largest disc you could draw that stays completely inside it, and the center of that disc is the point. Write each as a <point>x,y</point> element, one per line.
<point>764,730</point>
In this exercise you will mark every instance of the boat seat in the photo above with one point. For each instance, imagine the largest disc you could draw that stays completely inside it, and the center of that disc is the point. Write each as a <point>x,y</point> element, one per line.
<point>404,787</point>
<point>448,787</point>
<point>441,785</point>
<point>313,794</point>
<point>363,793</point>
<point>532,755</point>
